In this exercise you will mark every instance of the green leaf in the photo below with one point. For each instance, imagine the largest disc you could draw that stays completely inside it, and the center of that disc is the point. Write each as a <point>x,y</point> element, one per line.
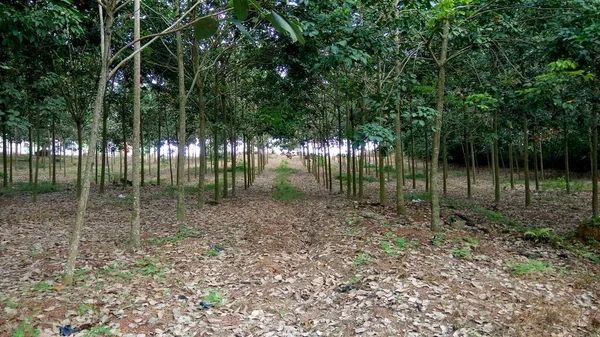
<point>282,26</point>
<point>242,29</point>
<point>240,8</point>
<point>206,27</point>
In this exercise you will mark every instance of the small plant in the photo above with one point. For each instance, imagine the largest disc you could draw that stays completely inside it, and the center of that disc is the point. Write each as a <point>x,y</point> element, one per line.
<point>148,266</point>
<point>437,239</point>
<point>82,309</point>
<point>213,297</point>
<point>42,286</point>
<point>528,267</point>
<point>25,329</point>
<point>212,252</point>
<point>462,253</point>
<point>12,305</point>
<point>422,196</point>
<point>183,233</point>
<point>351,220</point>
<point>471,241</point>
<point>362,258</point>
<point>387,248</point>
<point>99,330</point>
<point>538,235</point>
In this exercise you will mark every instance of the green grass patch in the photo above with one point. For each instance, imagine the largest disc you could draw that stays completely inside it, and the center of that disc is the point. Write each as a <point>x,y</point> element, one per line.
<point>417,176</point>
<point>283,190</point>
<point>188,189</point>
<point>425,196</point>
<point>213,297</point>
<point>560,183</point>
<point>528,267</point>
<point>42,286</point>
<point>492,216</point>
<point>367,178</point>
<point>362,258</point>
<point>183,233</point>
<point>462,253</point>
<point>26,329</point>
<point>43,187</point>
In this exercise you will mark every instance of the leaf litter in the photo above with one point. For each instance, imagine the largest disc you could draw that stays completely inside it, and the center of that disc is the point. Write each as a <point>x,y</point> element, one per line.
<point>308,267</point>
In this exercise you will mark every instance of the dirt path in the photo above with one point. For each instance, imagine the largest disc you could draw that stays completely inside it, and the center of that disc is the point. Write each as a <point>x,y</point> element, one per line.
<point>319,266</point>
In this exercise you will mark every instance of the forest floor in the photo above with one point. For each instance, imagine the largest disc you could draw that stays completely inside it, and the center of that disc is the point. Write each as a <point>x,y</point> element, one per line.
<point>319,265</point>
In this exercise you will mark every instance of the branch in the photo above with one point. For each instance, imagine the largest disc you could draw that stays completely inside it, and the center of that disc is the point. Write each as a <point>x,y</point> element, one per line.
<point>168,30</point>
<point>457,53</point>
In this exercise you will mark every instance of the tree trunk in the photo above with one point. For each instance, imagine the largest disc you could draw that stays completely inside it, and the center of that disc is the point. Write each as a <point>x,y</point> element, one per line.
<point>400,209</point>
<point>124,132</point>
<point>595,158</point>
<point>5,153</point>
<point>54,150</point>
<point>444,165</point>
<point>159,145</point>
<point>510,166</point>
<point>181,133</point>
<point>83,198</point>
<point>541,159</point>
<point>566,147</point>
<point>216,163</point>
<point>37,159</point>
<point>496,163</point>
<point>201,129</point>
<point>104,145</point>
<point>535,165</point>
<point>435,201</point>
<point>30,136</point>
<point>526,162</point>
<point>135,158</point>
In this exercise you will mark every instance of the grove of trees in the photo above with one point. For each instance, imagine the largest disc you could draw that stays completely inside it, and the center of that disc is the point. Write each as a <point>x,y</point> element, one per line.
<point>514,84</point>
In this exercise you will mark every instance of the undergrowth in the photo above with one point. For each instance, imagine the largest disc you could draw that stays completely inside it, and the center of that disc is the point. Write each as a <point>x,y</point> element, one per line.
<point>283,190</point>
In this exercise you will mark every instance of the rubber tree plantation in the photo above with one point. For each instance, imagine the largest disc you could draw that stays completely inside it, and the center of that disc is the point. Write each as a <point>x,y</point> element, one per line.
<point>299,168</point>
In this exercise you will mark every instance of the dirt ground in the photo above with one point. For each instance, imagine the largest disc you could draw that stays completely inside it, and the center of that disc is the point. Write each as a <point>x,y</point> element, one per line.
<point>319,266</point>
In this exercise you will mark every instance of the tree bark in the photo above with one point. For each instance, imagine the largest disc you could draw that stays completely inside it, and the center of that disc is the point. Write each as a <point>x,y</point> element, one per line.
<point>83,198</point>
<point>496,160</point>
<point>135,158</point>
<point>181,133</point>
<point>526,162</point>
<point>435,201</point>
<point>595,158</point>
<point>400,208</point>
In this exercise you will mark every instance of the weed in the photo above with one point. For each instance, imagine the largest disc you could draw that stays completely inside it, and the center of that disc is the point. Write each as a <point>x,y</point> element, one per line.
<point>351,220</point>
<point>362,258</point>
<point>25,329</point>
<point>560,183</point>
<point>367,178</point>
<point>283,190</point>
<point>82,309</point>
<point>42,286</point>
<point>472,241</point>
<point>437,239</point>
<point>462,253</point>
<point>387,248</point>
<point>528,267</point>
<point>99,330</point>
<point>417,176</point>
<point>212,252</point>
<point>183,233</point>
<point>492,216</point>
<point>538,235</point>
<point>148,266</point>
<point>43,187</point>
<point>12,305</point>
<point>423,196</point>
<point>214,297</point>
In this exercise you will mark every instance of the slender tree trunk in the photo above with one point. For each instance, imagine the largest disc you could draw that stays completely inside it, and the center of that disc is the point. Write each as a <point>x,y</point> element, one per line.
<point>566,147</point>
<point>37,158</point>
<point>83,198</point>
<point>246,161</point>
<point>216,163</point>
<point>124,132</point>
<point>526,162</point>
<point>496,164</point>
<point>201,131</point>
<point>595,158</point>
<point>348,151</point>
<point>30,136</point>
<point>54,150</point>
<point>444,165</point>
<point>435,201</point>
<point>159,145</point>
<point>466,153</point>
<point>79,156</point>
<point>181,133</point>
<point>510,159</point>
<point>400,209</point>
<point>535,165</point>
<point>104,145</point>
<point>135,158</point>
<point>541,159</point>
<point>5,153</point>
<point>474,167</point>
